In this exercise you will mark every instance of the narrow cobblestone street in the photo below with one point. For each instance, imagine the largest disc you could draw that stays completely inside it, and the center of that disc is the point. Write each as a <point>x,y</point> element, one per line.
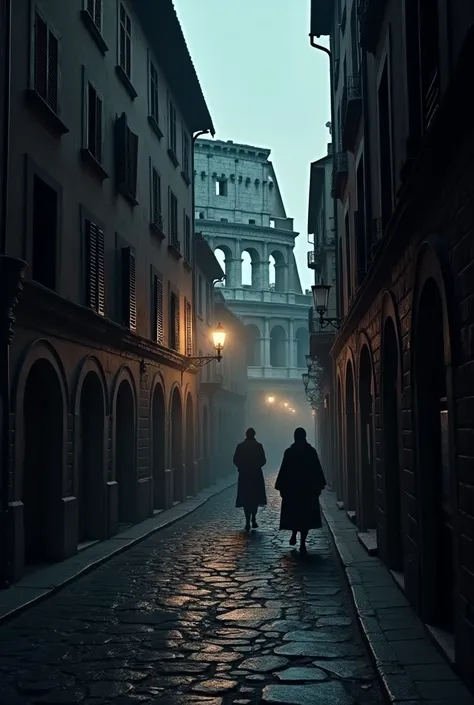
<point>198,613</point>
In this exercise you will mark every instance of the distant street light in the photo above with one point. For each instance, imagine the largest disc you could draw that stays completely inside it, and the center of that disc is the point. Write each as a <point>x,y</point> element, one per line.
<point>285,404</point>
<point>270,400</point>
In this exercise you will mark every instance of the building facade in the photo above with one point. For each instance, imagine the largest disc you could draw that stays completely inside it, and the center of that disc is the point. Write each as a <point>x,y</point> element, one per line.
<point>103,409</point>
<point>403,184</point>
<point>240,212</point>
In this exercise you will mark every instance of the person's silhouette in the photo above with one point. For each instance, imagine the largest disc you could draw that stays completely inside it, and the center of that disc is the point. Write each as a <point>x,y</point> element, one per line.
<point>249,458</point>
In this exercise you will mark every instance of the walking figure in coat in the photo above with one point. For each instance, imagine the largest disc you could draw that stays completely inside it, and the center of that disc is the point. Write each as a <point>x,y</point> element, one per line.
<point>300,482</point>
<point>249,458</point>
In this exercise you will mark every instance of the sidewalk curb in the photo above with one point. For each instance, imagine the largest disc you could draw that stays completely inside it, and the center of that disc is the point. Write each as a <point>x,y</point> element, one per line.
<point>194,505</point>
<point>373,591</point>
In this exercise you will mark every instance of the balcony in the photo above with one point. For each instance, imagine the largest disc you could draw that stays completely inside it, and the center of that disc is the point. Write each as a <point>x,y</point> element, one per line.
<point>339,175</point>
<point>316,258</point>
<point>351,111</point>
<point>371,13</point>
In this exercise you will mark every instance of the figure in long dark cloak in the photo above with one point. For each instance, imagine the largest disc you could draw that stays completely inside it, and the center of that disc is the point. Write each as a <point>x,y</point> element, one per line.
<point>249,458</point>
<point>300,482</point>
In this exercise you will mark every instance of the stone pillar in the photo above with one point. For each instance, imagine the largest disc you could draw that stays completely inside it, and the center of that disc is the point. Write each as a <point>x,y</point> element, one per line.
<point>292,362</point>
<point>12,272</point>
<point>265,267</point>
<point>266,341</point>
<point>233,268</point>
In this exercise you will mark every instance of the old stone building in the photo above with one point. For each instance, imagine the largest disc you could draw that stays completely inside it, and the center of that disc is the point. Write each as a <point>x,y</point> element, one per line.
<point>240,212</point>
<point>404,184</point>
<point>103,405</point>
<point>222,387</point>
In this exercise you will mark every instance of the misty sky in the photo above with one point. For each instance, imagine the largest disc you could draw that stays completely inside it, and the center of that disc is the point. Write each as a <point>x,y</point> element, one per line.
<point>264,86</point>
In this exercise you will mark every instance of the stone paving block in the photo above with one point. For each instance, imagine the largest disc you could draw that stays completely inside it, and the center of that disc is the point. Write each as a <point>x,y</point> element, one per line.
<point>317,694</point>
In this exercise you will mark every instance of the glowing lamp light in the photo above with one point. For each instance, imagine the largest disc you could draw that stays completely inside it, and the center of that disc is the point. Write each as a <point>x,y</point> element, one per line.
<point>270,400</point>
<point>285,404</point>
<point>218,339</point>
<point>321,297</point>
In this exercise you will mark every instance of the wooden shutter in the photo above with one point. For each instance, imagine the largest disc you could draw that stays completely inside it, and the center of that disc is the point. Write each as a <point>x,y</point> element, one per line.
<point>132,144</point>
<point>53,71</point>
<point>121,151</point>
<point>91,256</point>
<point>129,301</point>
<point>158,299</point>
<point>157,217</point>
<point>91,8</point>
<point>98,128</point>
<point>100,272</point>
<point>189,328</point>
<point>98,13</point>
<point>177,322</point>
<point>41,57</point>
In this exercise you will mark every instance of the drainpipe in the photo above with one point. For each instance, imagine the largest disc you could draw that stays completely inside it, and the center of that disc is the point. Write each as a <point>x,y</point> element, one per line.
<point>11,276</point>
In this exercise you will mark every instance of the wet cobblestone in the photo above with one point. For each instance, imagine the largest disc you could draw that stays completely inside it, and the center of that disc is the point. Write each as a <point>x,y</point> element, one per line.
<point>198,613</point>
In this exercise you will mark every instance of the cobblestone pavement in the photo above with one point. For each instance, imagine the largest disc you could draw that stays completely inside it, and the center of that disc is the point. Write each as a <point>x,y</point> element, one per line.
<point>198,613</point>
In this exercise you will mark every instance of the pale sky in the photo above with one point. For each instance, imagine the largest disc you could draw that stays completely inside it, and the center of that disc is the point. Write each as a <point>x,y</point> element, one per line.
<point>264,86</point>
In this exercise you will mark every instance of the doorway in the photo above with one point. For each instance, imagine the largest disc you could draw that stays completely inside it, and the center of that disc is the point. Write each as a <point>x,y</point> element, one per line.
<point>190,453</point>
<point>90,480</point>
<point>367,474</point>
<point>125,453</point>
<point>177,446</point>
<point>158,447</point>
<point>351,462</point>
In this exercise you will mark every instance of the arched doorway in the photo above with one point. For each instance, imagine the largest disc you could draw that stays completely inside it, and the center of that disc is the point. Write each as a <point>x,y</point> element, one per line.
<point>158,447</point>
<point>277,347</point>
<point>125,462</point>
<point>190,449</point>
<point>277,268</point>
<point>368,519</point>
<point>43,415</point>
<point>91,480</point>
<point>391,447</point>
<point>253,346</point>
<point>177,446</point>
<point>351,461</point>
<point>340,436</point>
<point>302,347</point>
<point>433,456</point>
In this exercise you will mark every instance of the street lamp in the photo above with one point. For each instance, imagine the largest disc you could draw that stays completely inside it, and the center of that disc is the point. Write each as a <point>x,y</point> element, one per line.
<point>271,400</point>
<point>285,404</point>
<point>320,304</point>
<point>218,340</point>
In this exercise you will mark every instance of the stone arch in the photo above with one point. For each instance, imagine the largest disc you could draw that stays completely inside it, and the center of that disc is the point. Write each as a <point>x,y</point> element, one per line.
<point>302,346</point>
<point>176,443</point>
<point>190,449</point>
<point>251,268</point>
<point>90,449</point>
<point>124,414</point>
<point>278,357</point>
<point>366,398</point>
<point>254,352</point>
<point>41,406</point>
<point>158,442</point>
<point>350,445</point>
<point>432,377</point>
<point>390,523</point>
<point>277,270</point>
<point>224,256</point>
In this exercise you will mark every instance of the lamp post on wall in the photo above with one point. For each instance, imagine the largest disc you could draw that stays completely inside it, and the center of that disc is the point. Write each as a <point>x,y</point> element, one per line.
<point>321,301</point>
<point>12,272</point>
<point>218,340</point>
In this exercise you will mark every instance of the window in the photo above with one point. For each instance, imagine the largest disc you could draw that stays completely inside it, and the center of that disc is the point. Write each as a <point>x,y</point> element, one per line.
<point>125,42</point>
<point>347,245</point>
<point>221,187</point>
<point>44,232</point>
<point>172,127</point>
<point>156,218</point>
<point>201,216</point>
<point>158,330</point>
<point>189,327</point>
<point>154,105</point>
<point>224,220</point>
<point>94,123</point>
<point>187,238</point>
<point>129,301</point>
<point>208,302</point>
<point>46,63</point>
<point>95,272</point>
<point>385,147</point>
<point>174,321</point>
<point>200,295</point>
<point>272,222</point>
<point>126,160</point>
<point>186,154</point>
<point>173,220</point>
<point>251,221</point>
<point>94,8</point>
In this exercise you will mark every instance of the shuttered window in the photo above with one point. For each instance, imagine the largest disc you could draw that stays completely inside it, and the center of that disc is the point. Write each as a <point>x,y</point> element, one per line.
<point>125,42</point>
<point>154,105</point>
<point>186,153</point>
<point>156,209</point>
<point>157,306</point>
<point>172,127</point>
<point>189,327</point>
<point>46,64</point>
<point>174,322</point>
<point>129,300</point>
<point>126,159</point>
<point>94,123</point>
<point>95,272</point>
<point>187,238</point>
<point>94,8</point>
<point>173,220</point>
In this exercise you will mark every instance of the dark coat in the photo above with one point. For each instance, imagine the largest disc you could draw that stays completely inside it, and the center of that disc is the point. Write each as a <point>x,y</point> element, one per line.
<point>300,482</point>
<point>249,458</point>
